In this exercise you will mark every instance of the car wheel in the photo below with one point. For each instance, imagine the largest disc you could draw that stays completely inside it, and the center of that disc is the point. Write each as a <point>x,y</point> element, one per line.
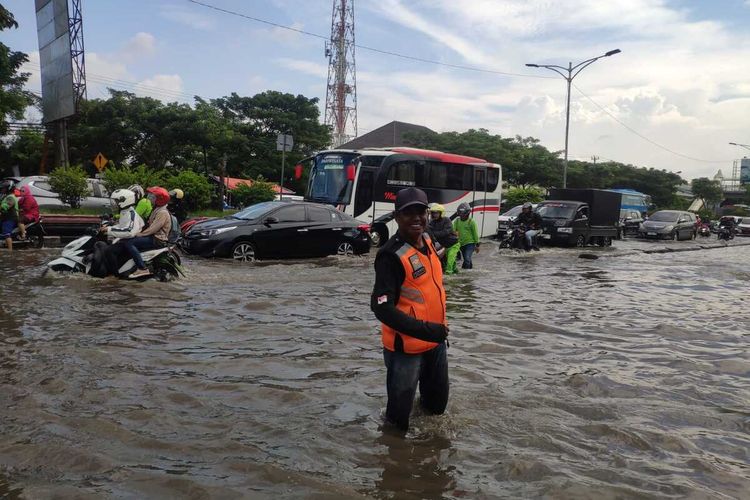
<point>345,248</point>
<point>37,241</point>
<point>243,251</point>
<point>581,241</point>
<point>674,236</point>
<point>379,235</point>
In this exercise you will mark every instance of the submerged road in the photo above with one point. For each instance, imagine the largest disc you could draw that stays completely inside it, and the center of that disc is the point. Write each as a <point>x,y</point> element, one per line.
<point>624,377</point>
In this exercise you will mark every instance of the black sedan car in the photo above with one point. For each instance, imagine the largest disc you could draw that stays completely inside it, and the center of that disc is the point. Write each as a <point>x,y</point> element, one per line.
<point>279,229</point>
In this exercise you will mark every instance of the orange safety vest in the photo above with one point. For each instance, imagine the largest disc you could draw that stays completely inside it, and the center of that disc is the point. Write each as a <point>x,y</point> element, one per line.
<point>422,295</point>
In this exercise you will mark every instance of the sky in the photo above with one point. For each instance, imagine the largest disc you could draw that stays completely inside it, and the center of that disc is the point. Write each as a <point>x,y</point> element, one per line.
<point>673,99</point>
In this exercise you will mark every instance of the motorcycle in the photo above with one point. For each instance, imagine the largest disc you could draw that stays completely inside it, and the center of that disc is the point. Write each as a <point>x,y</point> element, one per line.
<point>704,230</point>
<point>90,255</point>
<point>34,236</point>
<point>726,233</point>
<point>516,238</point>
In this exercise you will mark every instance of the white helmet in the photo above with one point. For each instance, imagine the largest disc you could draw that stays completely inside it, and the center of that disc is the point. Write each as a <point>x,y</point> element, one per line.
<point>138,191</point>
<point>122,198</point>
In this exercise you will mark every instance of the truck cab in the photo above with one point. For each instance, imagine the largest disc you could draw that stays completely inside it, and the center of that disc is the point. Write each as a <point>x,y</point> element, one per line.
<point>580,216</point>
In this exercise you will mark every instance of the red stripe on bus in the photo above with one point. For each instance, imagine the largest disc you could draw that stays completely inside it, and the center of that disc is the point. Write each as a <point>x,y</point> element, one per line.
<point>486,209</point>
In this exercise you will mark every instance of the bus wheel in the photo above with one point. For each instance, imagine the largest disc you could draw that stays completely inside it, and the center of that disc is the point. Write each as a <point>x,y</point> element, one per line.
<point>379,235</point>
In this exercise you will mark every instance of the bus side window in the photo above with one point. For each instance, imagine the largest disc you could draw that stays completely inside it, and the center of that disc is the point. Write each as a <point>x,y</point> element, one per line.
<point>479,180</point>
<point>403,174</point>
<point>493,179</point>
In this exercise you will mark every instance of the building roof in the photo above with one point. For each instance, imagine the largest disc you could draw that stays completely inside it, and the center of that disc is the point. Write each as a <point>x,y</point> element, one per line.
<point>389,135</point>
<point>232,182</point>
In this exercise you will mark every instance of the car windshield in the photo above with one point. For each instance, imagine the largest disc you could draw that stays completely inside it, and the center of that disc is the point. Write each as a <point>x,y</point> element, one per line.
<point>664,217</point>
<point>513,211</point>
<point>254,211</point>
<point>556,210</point>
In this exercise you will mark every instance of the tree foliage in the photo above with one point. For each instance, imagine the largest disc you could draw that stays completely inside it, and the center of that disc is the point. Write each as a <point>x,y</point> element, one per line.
<point>709,190</point>
<point>13,99</point>
<point>260,191</point>
<point>518,195</point>
<point>195,186</point>
<point>125,176</point>
<point>70,184</point>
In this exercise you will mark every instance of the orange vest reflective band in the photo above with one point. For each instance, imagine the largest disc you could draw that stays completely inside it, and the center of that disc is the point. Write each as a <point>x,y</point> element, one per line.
<point>422,295</point>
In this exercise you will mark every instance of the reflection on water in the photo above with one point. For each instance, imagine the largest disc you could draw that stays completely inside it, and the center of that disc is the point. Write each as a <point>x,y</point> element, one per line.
<point>622,377</point>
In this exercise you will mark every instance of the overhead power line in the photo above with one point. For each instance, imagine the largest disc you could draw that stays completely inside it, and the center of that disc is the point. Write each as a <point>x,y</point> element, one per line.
<point>365,47</point>
<point>650,141</point>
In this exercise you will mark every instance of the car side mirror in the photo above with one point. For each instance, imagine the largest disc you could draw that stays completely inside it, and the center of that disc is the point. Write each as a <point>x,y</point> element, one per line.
<point>680,221</point>
<point>628,218</point>
<point>271,220</point>
<point>582,216</point>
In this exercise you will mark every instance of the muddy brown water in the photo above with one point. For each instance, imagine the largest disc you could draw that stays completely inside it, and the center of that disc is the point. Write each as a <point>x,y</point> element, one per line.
<point>622,377</point>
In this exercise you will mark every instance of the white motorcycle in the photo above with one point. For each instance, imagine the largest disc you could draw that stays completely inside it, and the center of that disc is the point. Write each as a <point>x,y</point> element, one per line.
<point>94,257</point>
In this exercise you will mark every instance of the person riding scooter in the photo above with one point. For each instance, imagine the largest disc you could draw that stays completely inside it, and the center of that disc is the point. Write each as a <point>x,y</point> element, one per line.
<point>531,223</point>
<point>107,258</point>
<point>177,205</point>
<point>441,230</point>
<point>156,234</point>
<point>29,210</point>
<point>9,213</point>
<point>143,204</point>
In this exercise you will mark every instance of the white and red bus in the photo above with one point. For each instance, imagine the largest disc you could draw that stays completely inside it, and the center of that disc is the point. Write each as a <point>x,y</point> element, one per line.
<point>363,183</point>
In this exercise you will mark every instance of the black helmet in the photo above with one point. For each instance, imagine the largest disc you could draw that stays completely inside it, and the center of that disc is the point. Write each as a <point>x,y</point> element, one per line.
<point>6,186</point>
<point>463,209</point>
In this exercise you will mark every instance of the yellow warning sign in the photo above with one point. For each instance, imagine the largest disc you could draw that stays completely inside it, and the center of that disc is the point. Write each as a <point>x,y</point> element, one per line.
<point>100,162</point>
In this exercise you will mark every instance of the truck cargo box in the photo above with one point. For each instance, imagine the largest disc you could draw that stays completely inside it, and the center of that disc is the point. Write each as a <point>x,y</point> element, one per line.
<point>604,206</point>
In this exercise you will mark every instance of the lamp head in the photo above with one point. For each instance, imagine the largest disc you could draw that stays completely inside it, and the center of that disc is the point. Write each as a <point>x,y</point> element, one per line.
<point>612,52</point>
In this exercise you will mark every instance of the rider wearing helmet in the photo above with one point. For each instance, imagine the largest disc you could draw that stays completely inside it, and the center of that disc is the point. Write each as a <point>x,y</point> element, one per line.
<point>531,222</point>
<point>441,230</point>
<point>129,223</point>
<point>468,235</point>
<point>8,212</point>
<point>177,205</point>
<point>143,205</point>
<point>156,234</point>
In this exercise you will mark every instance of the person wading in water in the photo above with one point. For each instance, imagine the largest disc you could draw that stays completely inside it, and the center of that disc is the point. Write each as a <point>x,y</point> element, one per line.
<point>409,300</point>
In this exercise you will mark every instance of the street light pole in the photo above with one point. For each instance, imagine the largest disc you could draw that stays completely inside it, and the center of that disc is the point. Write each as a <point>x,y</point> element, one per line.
<point>570,73</point>
<point>746,146</point>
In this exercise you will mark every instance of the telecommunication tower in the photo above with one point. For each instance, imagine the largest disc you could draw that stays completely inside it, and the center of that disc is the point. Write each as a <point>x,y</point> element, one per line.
<point>341,92</point>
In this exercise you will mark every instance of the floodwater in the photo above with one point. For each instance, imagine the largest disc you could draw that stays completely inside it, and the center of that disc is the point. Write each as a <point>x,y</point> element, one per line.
<point>622,377</point>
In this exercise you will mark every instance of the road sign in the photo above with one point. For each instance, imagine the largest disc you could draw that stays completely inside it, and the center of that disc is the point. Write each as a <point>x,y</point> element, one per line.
<point>100,162</point>
<point>284,142</point>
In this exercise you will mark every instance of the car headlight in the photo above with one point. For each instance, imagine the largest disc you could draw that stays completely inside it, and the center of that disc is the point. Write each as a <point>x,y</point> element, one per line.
<point>568,230</point>
<point>668,228</point>
<point>212,232</point>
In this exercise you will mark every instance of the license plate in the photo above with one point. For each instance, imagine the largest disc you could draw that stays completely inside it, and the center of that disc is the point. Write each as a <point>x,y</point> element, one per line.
<point>546,236</point>
<point>651,234</point>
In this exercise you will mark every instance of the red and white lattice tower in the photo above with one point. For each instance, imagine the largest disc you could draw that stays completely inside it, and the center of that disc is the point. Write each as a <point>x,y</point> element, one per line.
<point>341,92</point>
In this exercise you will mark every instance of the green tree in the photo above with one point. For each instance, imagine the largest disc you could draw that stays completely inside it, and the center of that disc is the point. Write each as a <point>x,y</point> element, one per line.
<point>70,184</point>
<point>13,98</point>
<point>25,151</point>
<point>709,190</point>
<point>125,176</point>
<point>195,186</point>
<point>260,191</point>
<point>518,195</point>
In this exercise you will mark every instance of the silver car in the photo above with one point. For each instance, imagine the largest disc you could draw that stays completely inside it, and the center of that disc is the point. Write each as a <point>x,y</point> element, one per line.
<point>669,224</point>
<point>41,190</point>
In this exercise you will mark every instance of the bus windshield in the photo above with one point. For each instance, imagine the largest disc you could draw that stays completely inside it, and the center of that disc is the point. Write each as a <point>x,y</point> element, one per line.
<point>328,182</point>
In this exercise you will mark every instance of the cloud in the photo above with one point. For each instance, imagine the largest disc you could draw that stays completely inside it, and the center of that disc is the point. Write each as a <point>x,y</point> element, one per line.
<point>304,66</point>
<point>139,46</point>
<point>160,87</point>
<point>199,20</point>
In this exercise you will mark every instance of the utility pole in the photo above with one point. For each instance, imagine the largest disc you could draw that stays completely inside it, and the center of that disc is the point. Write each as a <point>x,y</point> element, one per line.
<point>594,158</point>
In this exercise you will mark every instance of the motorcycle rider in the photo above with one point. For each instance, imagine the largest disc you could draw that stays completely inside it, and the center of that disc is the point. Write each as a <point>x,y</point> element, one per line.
<point>129,223</point>
<point>143,204</point>
<point>29,210</point>
<point>156,234</point>
<point>441,230</point>
<point>468,235</point>
<point>8,212</point>
<point>176,204</point>
<point>531,223</point>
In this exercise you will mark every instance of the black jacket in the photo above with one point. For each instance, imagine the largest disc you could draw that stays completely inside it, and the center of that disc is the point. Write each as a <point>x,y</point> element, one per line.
<point>529,220</point>
<point>442,231</point>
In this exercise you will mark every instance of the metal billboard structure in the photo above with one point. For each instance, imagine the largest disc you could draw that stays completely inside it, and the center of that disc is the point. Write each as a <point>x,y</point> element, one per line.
<point>61,57</point>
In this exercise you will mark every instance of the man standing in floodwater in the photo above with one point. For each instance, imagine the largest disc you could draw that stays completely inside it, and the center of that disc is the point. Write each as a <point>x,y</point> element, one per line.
<point>409,300</point>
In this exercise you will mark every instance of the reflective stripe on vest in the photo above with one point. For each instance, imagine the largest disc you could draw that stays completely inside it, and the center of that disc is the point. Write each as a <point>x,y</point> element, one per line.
<point>422,296</point>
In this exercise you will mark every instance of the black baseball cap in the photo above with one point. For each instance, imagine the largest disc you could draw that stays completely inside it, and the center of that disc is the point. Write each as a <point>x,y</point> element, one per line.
<point>409,197</point>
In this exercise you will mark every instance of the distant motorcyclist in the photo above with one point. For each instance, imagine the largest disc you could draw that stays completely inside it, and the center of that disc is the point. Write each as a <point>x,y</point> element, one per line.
<point>531,223</point>
<point>9,213</point>
<point>29,210</point>
<point>468,235</point>
<point>176,204</point>
<point>441,230</point>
